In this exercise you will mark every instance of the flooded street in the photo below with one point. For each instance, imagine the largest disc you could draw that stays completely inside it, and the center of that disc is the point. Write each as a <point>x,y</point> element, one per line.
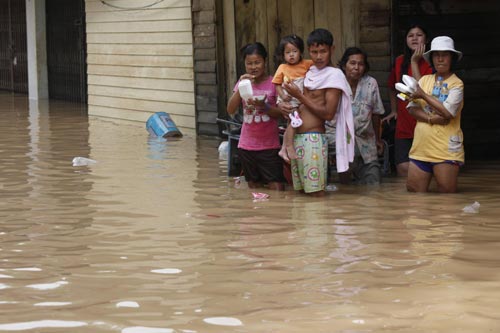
<point>155,238</point>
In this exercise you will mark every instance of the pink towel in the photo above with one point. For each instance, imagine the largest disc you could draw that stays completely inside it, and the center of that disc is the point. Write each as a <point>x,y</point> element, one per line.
<point>330,77</point>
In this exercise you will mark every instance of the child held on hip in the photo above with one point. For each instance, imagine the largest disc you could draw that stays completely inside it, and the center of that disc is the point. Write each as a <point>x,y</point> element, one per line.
<point>292,70</point>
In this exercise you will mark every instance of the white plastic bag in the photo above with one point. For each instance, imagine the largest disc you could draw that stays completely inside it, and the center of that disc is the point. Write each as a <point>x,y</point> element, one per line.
<point>81,161</point>
<point>472,209</point>
<point>223,150</point>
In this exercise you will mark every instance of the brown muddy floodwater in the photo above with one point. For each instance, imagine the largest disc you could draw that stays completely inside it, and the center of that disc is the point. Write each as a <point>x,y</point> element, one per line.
<point>155,238</point>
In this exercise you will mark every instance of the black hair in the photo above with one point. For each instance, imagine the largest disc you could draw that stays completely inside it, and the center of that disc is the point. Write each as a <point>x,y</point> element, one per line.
<point>289,39</point>
<point>253,48</point>
<point>407,53</point>
<point>454,60</point>
<point>320,37</point>
<point>352,51</point>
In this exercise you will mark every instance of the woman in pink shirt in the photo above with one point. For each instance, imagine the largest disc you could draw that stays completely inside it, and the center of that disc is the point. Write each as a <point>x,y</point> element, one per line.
<point>259,142</point>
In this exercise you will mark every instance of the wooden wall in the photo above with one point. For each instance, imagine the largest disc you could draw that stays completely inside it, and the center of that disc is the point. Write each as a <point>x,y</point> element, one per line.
<point>267,21</point>
<point>375,39</point>
<point>140,60</point>
<point>209,79</point>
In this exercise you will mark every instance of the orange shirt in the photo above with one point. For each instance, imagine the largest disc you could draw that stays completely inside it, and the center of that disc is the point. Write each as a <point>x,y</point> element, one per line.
<point>292,71</point>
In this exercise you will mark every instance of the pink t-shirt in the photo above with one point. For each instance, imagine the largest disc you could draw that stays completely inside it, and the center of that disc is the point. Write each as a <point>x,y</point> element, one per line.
<point>259,131</point>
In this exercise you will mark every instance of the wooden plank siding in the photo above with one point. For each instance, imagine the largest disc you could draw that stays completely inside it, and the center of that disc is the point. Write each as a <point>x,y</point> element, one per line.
<point>140,60</point>
<point>363,23</point>
<point>208,64</point>
<point>375,40</point>
<point>267,21</point>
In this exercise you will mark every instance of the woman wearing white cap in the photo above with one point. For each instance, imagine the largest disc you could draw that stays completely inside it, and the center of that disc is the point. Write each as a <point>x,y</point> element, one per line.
<point>437,150</point>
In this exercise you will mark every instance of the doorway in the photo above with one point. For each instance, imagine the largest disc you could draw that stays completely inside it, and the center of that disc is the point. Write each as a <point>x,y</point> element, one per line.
<point>475,29</point>
<point>13,50</point>
<point>66,50</point>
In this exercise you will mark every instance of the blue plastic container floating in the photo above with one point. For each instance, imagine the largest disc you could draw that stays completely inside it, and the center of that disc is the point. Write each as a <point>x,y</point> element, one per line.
<point>160,124</point>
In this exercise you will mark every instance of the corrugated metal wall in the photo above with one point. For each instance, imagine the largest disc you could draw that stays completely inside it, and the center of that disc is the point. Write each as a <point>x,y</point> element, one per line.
<point>140,59</point>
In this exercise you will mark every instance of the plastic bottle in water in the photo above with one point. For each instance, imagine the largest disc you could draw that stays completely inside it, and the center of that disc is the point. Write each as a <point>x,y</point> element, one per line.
<point>444,92</point>
<point>436,91</point>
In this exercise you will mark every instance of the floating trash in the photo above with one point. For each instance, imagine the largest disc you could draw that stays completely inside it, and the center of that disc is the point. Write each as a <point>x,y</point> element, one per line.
<point>82,161</point>
<point>258,195</point>
<point>223,150</point>
<point>472,209</point>
<point>161,125</point>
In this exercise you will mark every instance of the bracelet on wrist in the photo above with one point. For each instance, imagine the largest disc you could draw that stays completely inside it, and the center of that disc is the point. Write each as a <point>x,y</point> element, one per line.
<point>267,107</point>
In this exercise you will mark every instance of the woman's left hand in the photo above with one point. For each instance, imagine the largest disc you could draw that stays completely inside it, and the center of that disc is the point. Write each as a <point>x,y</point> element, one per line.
<point>419,93</point>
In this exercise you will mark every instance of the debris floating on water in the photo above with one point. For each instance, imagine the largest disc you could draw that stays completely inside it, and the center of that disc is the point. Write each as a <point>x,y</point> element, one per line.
<point>472,209</point>
<point>81,161</point>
